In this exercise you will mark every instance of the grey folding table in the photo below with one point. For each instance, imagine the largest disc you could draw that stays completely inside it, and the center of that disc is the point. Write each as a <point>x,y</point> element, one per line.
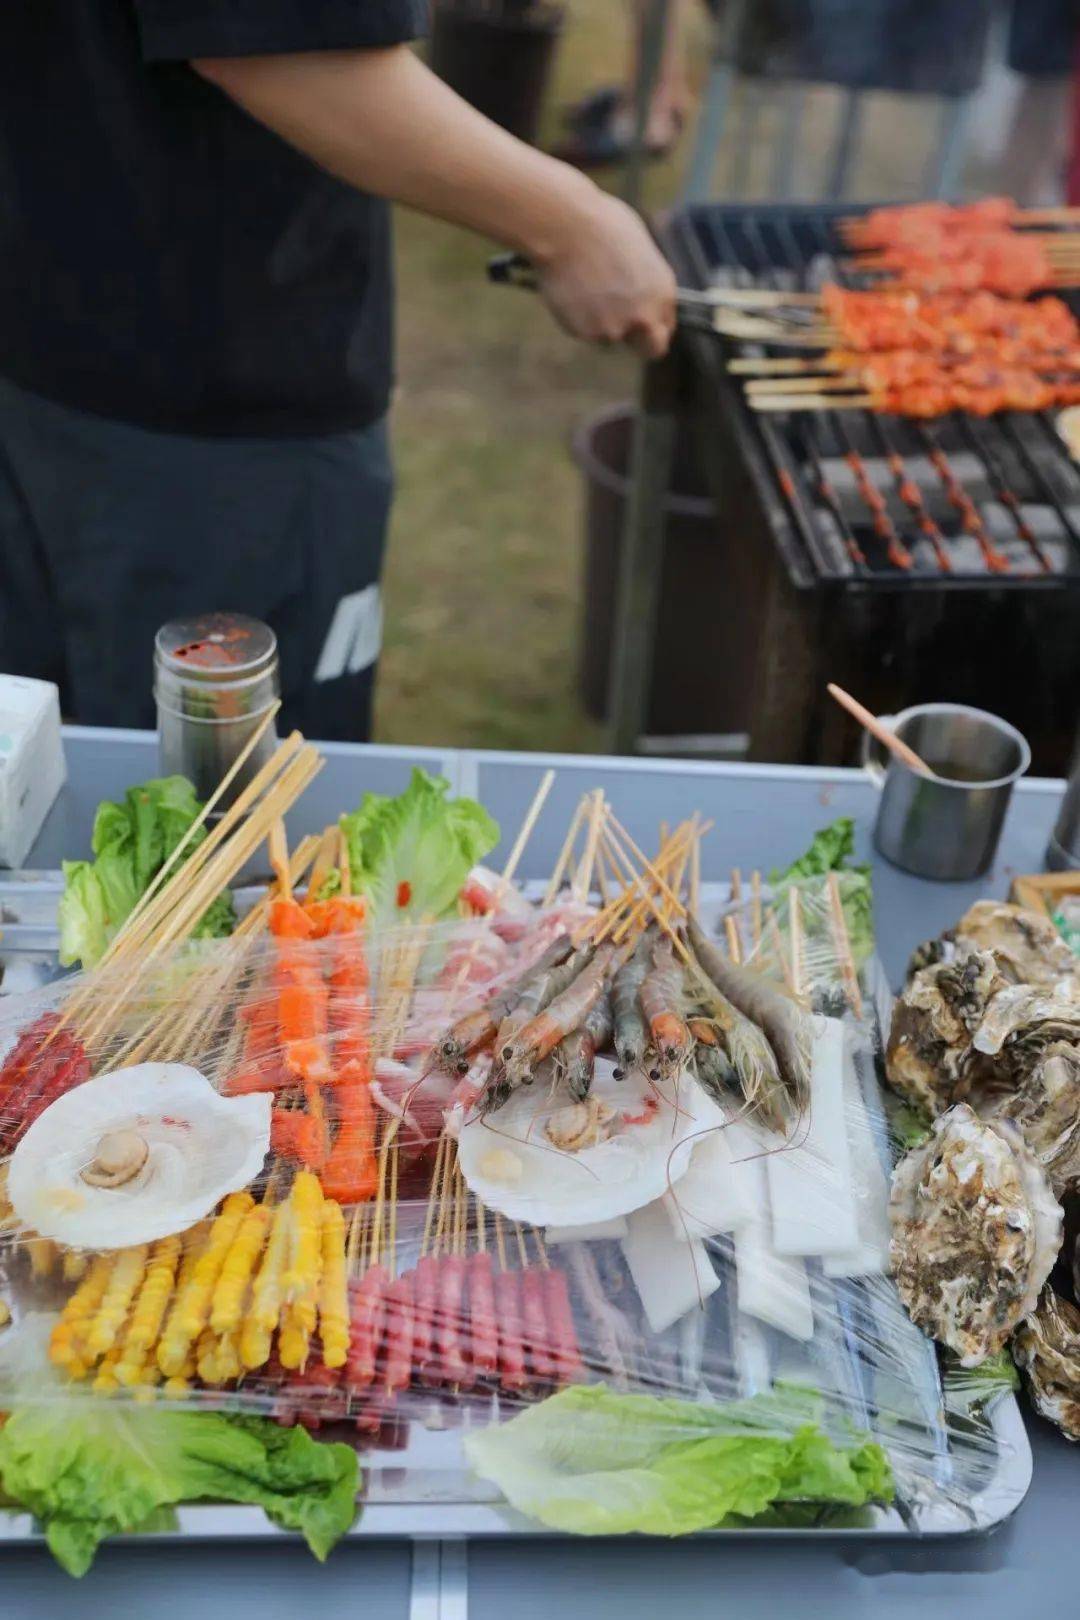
<point>764,815</point>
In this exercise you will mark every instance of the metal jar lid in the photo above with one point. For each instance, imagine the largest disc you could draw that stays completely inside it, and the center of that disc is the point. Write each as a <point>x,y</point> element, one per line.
<point>215,668</point>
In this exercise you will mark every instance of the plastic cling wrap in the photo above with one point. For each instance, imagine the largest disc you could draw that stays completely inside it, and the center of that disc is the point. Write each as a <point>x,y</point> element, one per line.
<point>563,1209</point>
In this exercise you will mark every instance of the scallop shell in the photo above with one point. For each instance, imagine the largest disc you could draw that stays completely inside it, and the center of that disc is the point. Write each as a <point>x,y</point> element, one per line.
<point>201,1146</point>
<point>631,1167</point>
<point>1027,948</point>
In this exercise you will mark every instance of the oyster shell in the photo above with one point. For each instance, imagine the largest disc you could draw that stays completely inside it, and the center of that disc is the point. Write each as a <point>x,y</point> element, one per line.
<point>975,1231</point>
<point>929,1050</point>
<point>1025,1015</point>
<point>1045,1106</point>
<point>1046,1347</point>
<point>1027,948</point>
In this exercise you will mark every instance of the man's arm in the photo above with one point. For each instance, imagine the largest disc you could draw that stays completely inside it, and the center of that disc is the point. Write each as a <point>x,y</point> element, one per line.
<point>380,120</point>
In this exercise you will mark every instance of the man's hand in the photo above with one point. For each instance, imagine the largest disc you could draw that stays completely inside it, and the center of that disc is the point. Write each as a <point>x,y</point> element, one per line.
<point>608,282</point>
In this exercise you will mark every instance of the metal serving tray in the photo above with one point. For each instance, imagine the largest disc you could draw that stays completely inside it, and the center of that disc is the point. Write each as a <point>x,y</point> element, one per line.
<point>423,1491</point>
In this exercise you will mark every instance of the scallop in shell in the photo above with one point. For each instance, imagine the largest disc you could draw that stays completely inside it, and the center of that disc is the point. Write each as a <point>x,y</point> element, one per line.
<point>135,1155</point>
<point>1046,1348</point>
<point>975,1231</point>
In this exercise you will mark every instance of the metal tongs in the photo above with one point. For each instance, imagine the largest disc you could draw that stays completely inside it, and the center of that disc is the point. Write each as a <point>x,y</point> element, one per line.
<point>695,305</point>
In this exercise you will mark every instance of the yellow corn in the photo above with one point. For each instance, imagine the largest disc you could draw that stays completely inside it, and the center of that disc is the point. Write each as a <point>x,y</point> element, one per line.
<point>333,1288</point>
<point>232,1285</point>
<point>306,1200</point>
<point>206,1357</point>
<point>228,1356</point>
<point>266,1296</point>
<point>65,1345</point>
<point>106,1381</point>
<point>180,1382</point>
<point>124,1280</point>
<point>75,1265</point>
<point>254,1345</point>
<point>292,1340</point>
<point>154,1296</point>
<point>191,1306</point>
<point>43,1254</point>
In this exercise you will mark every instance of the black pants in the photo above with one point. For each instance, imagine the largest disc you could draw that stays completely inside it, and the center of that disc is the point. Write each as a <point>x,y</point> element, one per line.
<point>106,531</point>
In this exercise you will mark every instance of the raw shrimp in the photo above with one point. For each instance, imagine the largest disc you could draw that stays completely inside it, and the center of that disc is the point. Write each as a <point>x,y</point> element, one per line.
<point>539,993</point>
<point>543,1033</point>
<point>661,1001</point>
<point>631,1031</point>
<point>714,1070</point>
<point>752,1058</point>
<point>775,1014</point>
<point>476,1030</point>
<point>575,1055</point>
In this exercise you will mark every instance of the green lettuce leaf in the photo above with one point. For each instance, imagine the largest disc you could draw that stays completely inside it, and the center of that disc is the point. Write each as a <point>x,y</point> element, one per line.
<point>831,848</point>
<point>973,1389</point>
<point>596,1462</point>
<point>411,854</point>
<point>131,842</point>
<point>89,1471</point>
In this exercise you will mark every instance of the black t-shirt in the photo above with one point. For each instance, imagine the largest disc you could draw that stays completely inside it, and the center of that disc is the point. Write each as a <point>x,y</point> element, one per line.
<point>163,258</point>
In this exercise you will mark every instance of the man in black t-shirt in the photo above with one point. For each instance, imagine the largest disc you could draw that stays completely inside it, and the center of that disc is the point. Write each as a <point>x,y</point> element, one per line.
<point>196,322</point>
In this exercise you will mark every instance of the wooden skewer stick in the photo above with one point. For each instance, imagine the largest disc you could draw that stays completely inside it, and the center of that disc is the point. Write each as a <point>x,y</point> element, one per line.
<point>324,861</point>
<point>643,890</point>
<point>755,908</point>
<point>795,931</point>
<point>597,816</point>
<point>695,866</point>
<point>278,850</point>
<point>734,943</point>
<point>870,722</point>
<point>531,817</point>
<point>842,939</point>
<point>812,402</point>
<point>777,943</point>
<point>566,852</point>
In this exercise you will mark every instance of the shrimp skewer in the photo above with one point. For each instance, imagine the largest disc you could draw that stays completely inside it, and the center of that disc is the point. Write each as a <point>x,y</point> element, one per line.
<point>543,1033</point>
<point>471,1033</point>
<point>775,1014</point>
<point>539,993</point>
<point>575,1055</point>
<point>661,997</point>
<point>631,1031</point>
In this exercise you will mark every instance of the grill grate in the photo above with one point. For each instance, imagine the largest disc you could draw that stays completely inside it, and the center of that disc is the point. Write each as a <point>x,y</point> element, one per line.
<point>878,499</point>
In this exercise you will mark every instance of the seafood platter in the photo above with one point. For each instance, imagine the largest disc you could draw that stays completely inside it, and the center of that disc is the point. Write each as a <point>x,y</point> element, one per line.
<point>394,1196</point>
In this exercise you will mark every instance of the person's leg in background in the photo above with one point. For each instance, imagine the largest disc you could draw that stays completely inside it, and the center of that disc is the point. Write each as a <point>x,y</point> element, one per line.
<point>137,528</point>
<point>31,636</point>
<point>602,125</point>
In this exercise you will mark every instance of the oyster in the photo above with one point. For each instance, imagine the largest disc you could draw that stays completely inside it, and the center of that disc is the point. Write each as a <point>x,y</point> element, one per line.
<point>929,1051</point>
<point>1047,1349</point>
<point>1045,1105</point>
<point>1027,948</point>
<point>1021,1020</point>
<point>975,1231</point>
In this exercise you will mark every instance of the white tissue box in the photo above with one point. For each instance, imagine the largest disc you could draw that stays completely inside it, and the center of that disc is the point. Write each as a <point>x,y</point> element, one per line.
<point>31,762</point>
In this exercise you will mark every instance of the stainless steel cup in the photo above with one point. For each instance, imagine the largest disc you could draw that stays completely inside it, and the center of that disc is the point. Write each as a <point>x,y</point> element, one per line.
<point>1063,850</point>
<point>946,826</point>
<point>215,677</point>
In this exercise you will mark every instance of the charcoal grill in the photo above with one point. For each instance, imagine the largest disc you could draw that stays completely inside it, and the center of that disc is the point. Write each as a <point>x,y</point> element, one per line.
<point>917,560</point>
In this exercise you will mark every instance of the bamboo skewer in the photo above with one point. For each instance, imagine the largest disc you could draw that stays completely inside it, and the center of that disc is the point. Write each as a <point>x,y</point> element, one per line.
<point>565,853</point>
<point>842,940</point>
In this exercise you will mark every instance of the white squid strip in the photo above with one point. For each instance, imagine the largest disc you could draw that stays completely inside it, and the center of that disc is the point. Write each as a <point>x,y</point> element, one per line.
<point>721,1189</point>
<point>810,1184</point>
<point>595,1232</point>
<point>671,1277</point>
<point>773,1288</point>
<point>869,1257</point>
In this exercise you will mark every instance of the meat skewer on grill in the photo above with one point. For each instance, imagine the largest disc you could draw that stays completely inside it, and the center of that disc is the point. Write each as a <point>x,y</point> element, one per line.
<point>882,227</point>
<point>1010,389</point>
